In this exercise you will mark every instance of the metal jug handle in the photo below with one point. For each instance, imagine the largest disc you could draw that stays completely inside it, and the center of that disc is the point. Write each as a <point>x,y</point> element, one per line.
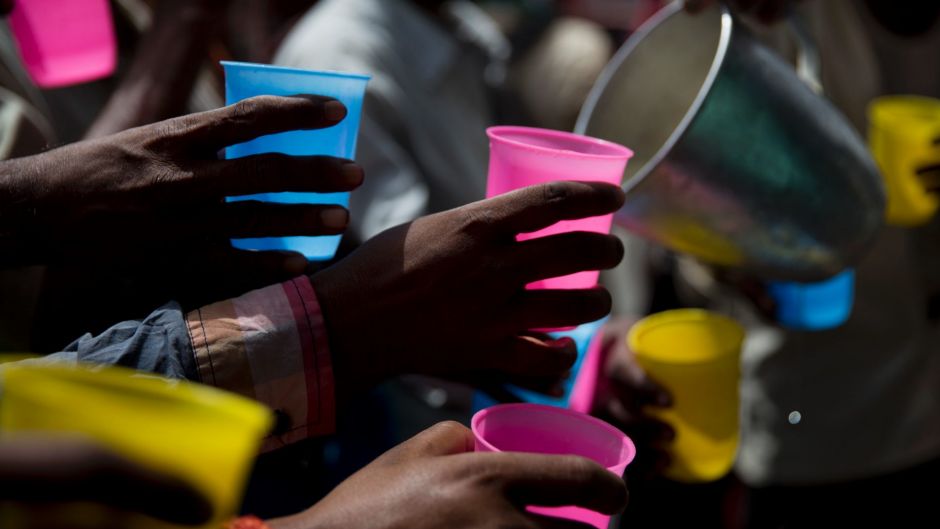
<point>807,53</point>
<point>808,67</point>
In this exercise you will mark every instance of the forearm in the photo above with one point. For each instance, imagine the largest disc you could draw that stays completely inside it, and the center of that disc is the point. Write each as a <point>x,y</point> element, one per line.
<point>164,69</point>
<point>269,345</point>
<point>21,185</point>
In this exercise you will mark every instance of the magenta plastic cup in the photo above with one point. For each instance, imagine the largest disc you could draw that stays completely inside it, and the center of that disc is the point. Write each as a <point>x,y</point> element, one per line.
<point>540,429</point>
<point>524,156</point>
<point>64,42</point>
<point>585,383</point>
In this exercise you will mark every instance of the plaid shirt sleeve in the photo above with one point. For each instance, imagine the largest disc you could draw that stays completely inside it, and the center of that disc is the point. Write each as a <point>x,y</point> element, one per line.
<point>270,345</point>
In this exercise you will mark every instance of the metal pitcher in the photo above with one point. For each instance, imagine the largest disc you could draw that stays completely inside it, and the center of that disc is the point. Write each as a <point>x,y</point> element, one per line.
<point>738,161</point>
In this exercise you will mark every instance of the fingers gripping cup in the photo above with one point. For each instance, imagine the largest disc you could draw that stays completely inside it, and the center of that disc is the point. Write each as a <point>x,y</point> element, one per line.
<point>206,437</point>
<point>523,156</point>
<point>540,429</point>
<point>580,386</point>
<point>64,42</point>
<point>244,80</point>
<point>904,137</point>
<point>695,354</point>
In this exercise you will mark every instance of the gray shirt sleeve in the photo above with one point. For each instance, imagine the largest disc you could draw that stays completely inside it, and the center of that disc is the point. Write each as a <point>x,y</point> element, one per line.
<point>158,344</point>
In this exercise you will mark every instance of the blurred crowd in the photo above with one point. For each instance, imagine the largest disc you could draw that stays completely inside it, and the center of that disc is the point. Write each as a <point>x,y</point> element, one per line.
<point>115,251</point>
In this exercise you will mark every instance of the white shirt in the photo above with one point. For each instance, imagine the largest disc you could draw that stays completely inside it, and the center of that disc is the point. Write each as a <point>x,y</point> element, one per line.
<point>422,142</point>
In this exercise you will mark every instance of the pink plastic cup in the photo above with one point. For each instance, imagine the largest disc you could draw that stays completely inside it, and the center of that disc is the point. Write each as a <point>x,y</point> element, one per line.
<point>540,429</point>
<point>64,42</point>
<point>585,385</point>
<point>524,156</point>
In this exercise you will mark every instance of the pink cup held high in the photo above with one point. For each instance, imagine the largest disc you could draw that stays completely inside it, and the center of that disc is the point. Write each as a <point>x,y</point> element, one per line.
<point>64,42</point>
<point>540,429</point>
<point>524,156</point>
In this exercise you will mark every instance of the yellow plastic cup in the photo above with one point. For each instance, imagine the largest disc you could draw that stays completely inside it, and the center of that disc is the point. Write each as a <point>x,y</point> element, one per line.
<point>903,134</point>
<point>695,354</point>
<point>202,435</point>
<point>6,358</point>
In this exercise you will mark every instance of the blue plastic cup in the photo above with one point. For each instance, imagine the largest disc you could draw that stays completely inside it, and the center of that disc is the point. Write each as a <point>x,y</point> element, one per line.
<point>815,306</point>
<point>583,335</point>
<point>244,80</point>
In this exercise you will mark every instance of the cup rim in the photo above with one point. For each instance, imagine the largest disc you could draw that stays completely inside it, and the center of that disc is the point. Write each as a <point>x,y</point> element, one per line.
<point>298,71</point>
<point>617,151</point>
<point>728,26</point>
<point>911,117</point>
<point>627,455</point>
<point>246,412</point>
<point>902,104</point>
<point>684,316</point>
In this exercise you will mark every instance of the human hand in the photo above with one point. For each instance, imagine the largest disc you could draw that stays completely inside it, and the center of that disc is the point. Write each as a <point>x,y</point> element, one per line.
<point>38,474</point>
<point>624,395</point>
<point>766,11</point>
<point>435,480</point>
<point>157,193</point>
<point>445,295</point>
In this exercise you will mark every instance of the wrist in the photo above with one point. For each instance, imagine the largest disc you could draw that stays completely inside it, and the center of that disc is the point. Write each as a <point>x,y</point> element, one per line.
<point>20,237</point>
<point>355,366</point>
<point>307,519</point>
<point>18,183</point>
<point>335,339</point>
<point>248,522</point>
<point>304,520</point>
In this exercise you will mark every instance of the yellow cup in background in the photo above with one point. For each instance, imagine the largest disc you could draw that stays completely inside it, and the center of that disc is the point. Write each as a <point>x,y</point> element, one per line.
<point>695,354</point>
<point>903,137</point>
<point>202,435</point>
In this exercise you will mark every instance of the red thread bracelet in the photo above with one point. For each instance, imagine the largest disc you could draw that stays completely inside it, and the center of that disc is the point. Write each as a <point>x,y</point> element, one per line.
<point>247,522</point>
